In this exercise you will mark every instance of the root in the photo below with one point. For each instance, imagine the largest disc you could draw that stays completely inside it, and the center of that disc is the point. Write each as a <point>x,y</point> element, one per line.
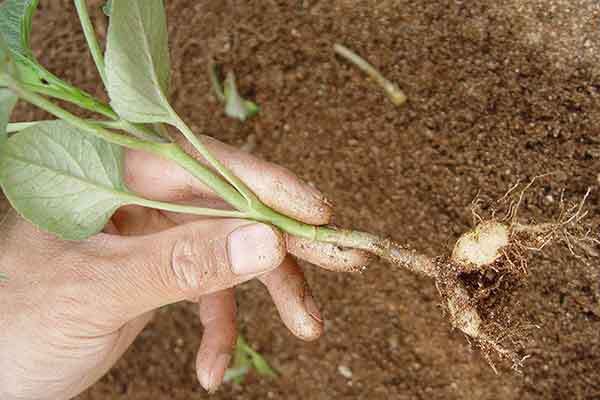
<point>386,249</point>
<point>567,228</point>
<point>465,317</point>
<point>492,346</point>
<point>488,260</point>
<point>463,283</point>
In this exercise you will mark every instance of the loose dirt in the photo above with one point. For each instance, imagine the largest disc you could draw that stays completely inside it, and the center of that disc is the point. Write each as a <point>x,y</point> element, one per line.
<point>498,92</point>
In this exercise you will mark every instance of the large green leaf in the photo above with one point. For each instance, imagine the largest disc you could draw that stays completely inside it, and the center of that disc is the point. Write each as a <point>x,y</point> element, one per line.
<point>15,24</point>
<point>62,180</point>
<point>137,61</point>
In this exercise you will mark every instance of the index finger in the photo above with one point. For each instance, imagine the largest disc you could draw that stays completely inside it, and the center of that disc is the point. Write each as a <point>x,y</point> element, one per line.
<point>161,179</point>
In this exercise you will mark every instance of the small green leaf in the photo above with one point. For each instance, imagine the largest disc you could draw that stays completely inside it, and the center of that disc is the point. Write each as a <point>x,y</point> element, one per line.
<point>7,102</point>
<point>107,8</point>
<point>241,363</point>
<point>262,366</point>
<point>15,24</point>
<point>235,105</point>
<point>236,375</point>
<point>137,61</point>
<point>3,277</point>
<point>62,180</point>
<point>246,359</point>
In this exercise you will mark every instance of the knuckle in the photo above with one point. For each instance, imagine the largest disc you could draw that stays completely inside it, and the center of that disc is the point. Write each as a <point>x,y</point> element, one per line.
<point>195,262</point>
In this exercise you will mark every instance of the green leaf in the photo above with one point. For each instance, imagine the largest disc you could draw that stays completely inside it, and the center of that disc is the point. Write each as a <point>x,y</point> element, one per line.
<point>241,363</point>
<point>235,105</point>
<point>236,374</point>
<point>137,61</point>
<point>244,360</point>
<point>262,366</point>
<point>62,180</point>
<point>15,25</point>
<point>107,8</point>
<point>7,102</point>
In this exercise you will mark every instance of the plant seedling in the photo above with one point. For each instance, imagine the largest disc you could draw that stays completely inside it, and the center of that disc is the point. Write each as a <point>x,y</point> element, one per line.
<point>235,106</point>
<point>83,159</point>
<point>392,90</point>
<point>245,359</point>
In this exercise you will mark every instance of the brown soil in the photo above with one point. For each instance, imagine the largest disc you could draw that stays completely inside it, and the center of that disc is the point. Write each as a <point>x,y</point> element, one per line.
<point>498,91</point>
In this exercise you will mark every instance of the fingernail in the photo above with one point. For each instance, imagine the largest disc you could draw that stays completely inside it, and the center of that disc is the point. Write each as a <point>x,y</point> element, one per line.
<point>254,249</point>
<point>212,377</point>
<point>316,193</point>
<point>312,308</point>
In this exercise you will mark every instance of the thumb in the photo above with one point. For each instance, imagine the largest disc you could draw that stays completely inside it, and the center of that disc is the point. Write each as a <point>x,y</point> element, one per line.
<point>183,263</point>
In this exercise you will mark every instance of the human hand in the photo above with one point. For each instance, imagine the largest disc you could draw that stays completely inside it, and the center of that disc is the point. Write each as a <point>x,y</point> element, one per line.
<point>70,309</point>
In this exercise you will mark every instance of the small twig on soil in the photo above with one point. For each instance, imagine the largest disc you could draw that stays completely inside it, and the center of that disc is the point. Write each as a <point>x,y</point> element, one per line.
<point>392,90</point>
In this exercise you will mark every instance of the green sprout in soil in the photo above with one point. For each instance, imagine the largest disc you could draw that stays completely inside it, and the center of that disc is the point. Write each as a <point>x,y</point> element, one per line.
<point>235,106</point>
<point>391,89</point>
<point>246,359</point>
<point>135,70</point>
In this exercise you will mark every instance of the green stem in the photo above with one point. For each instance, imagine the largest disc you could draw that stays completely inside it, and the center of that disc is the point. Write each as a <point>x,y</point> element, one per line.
<point>140,131</point>
<point>178,208</point>
<point>251,199</point>
<point>78,98</point>
<point>263,213</point>
<point>257,210</point>
<point>134,129</point>
<point>90,37</point>
<point>206,176</point>
<point>94,129</point>
<point>14,127</point>
<point>166,150</point>
<point>19,126</point>
<point>58,89</point>
<point>384,248</point>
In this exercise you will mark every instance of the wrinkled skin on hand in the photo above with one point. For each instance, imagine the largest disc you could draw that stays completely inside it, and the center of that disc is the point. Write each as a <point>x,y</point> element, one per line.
<point>69,310</point>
